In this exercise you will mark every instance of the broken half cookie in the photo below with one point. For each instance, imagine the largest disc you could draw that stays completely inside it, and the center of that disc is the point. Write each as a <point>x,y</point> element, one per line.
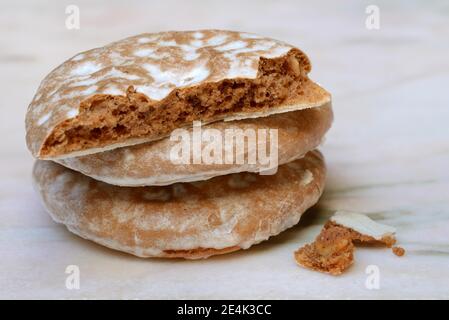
<point>141,88</point>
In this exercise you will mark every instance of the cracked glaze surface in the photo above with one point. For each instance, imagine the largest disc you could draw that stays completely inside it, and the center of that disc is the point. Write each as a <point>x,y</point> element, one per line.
<point>154,63</point>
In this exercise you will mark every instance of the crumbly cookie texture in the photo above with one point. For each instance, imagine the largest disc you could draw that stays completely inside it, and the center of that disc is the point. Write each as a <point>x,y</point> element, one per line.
<point>141,88</point>
<point>333,249</point>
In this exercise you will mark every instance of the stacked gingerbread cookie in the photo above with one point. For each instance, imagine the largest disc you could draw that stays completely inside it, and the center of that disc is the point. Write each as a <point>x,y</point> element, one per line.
<point>180,144</point>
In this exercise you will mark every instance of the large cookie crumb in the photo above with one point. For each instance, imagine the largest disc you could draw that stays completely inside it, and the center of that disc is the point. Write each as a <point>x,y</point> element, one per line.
<point>333,249</point>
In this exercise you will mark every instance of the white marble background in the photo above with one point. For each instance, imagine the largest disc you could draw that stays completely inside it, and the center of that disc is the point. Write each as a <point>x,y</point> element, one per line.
<point>388,152</point>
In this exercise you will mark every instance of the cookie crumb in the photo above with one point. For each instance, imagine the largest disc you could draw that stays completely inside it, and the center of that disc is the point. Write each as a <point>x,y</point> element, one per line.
<point>333,249</point>
<point>399,251</point>
<point>331,252</point>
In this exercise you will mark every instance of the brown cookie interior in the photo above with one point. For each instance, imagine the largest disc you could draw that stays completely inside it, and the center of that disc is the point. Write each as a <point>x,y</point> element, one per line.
<point>106,119</point>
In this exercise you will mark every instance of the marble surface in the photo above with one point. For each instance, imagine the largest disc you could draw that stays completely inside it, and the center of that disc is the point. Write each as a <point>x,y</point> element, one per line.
<point>387,154</point>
